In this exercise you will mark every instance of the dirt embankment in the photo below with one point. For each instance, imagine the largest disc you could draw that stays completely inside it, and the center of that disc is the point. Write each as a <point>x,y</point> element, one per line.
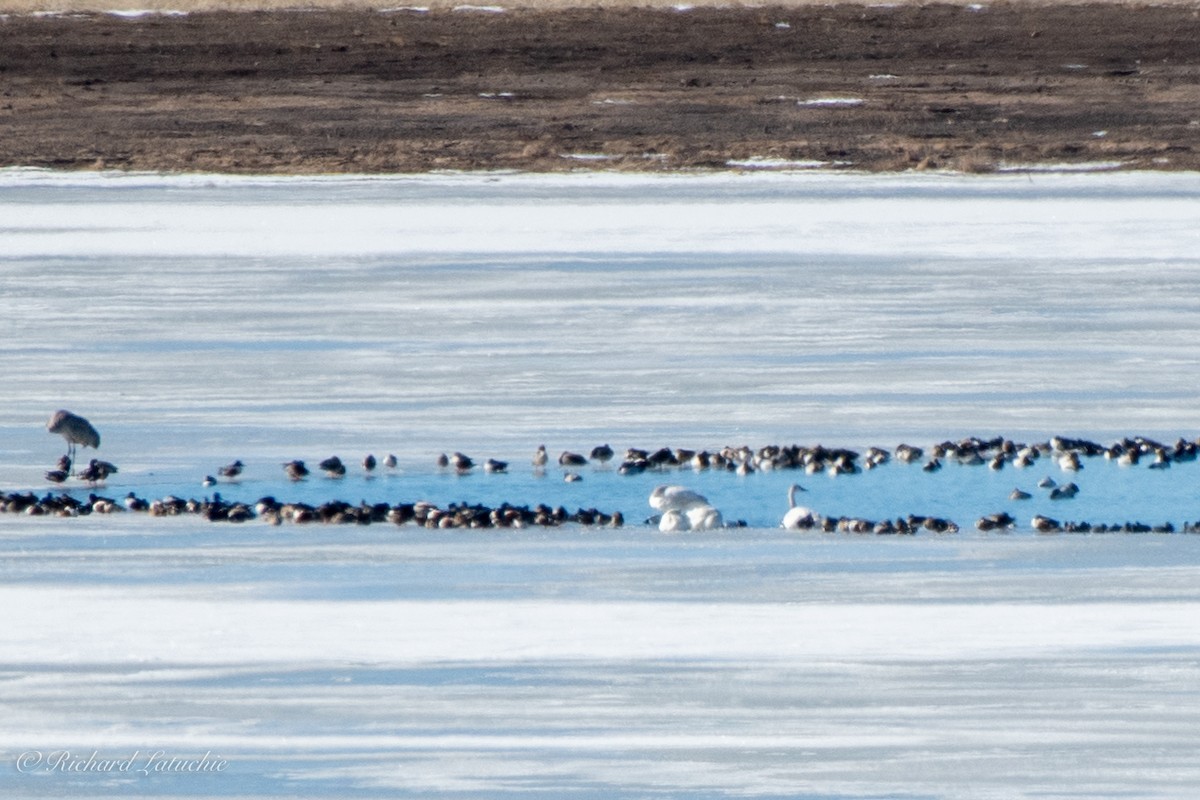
<point>343,90</point>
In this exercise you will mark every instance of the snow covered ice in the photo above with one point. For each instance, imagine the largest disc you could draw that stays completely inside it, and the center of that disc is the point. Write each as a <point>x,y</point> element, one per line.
<point>737,308</point>
<point>199,319</point>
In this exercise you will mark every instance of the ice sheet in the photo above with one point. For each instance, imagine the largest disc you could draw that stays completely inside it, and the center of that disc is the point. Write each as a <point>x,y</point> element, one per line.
<point>364,663</point>
<point>196,319</point>
<point>503,311</point>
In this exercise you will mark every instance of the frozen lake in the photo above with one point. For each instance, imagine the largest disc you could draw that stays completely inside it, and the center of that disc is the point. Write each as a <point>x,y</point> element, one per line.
<point>431,313</point>
<point>200,319</point>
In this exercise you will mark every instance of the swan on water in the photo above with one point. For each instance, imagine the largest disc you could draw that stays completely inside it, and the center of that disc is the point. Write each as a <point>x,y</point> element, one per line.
<point>680,498</point>
<point>684,509</point>
<point>797,517</point>
<point>704,518</point>
<point>673,521</point>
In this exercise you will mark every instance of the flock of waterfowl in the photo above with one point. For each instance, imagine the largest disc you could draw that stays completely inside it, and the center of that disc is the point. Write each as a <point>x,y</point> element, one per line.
<point>270,510</point>
<point>679,507</point>
<point>683,509</point>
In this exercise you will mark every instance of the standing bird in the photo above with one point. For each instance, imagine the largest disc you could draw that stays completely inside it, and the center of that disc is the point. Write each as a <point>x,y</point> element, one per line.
<point>368,463</point>
<point>61,471</point>
<point>97,471</point>
<point>602,453</point>
<point>75,429</point>
<point>540,458</point>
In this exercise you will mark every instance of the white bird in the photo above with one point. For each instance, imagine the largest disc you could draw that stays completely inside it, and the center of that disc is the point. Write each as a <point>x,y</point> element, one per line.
<point>797,517</point>
<point>1069,462</point>
<point>679,498</point>
<point>684,509</point>
<point>704,518</point>
<point>673,521</point>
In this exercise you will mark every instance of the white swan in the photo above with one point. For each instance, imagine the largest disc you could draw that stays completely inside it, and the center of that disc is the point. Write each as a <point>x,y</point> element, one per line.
<point>797,517</point>
<point>704,518</point>
<point>673,521</point>
<point>679,498</point>
<point>684,510</point>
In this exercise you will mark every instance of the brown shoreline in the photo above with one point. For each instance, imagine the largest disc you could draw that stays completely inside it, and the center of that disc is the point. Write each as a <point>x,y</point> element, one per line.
<point>646,89</point>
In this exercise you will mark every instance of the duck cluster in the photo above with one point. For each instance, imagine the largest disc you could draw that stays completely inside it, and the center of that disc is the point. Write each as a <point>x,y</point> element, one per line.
<point>996,452</point>
<point>1067,453</point>
<point>1000,521</point>
<point>745,460</point>
<point>297,470</point>
<point>268,509</point>
<point>65,505</point>
<point>429,515</point>
<point>903,526</point>
<point>1044,524</point>
<point>94,473</point>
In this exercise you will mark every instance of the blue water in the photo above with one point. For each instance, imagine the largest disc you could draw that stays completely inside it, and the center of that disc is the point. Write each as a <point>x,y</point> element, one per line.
<point>1108,493</point>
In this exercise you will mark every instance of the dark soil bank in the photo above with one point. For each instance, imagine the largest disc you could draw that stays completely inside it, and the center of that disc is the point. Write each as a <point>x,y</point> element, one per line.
<point>641,89</point>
